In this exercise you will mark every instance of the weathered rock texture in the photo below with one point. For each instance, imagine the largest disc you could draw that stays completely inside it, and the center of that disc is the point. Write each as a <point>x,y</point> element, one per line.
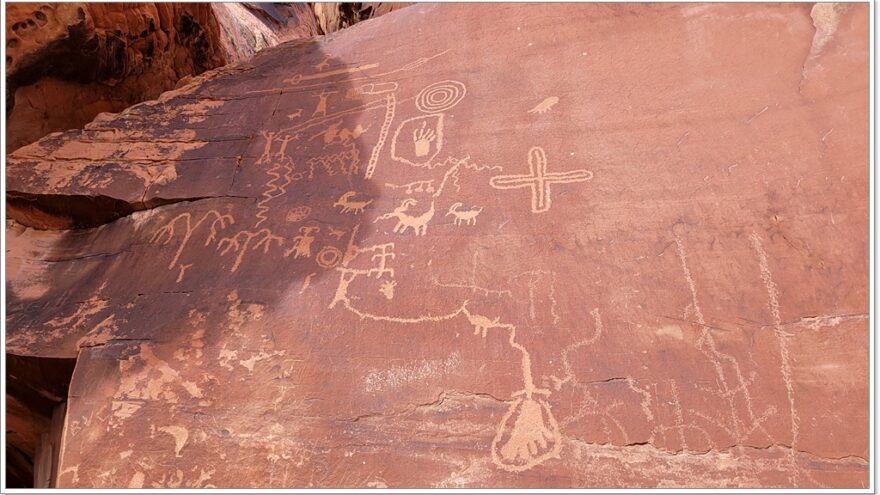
<point>333,16</point>
<point>578,246</point>
<point>68,62</point>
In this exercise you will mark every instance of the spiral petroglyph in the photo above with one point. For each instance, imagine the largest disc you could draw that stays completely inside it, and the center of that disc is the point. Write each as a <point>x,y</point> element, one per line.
<point>440,96</point>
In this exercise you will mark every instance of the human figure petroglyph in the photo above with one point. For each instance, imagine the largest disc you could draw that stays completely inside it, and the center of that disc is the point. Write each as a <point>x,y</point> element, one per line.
<point>783,342</point>
<point>468,217</point>
<point>419,224</point>
<point>323,64</point>
<point>302,244</point>
<point>348,205</point>
<point>321,107</point>
<point>241,241</point>
<point>539,180</point>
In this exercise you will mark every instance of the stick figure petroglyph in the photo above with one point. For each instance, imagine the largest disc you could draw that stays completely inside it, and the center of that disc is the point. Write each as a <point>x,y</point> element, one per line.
<point>539,179</point>
<point>302,244</point>
<point>321,107</point>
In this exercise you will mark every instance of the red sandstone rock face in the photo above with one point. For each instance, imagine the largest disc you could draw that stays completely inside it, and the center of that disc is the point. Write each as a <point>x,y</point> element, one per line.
<point>68,62</point>
<point>596,246</point>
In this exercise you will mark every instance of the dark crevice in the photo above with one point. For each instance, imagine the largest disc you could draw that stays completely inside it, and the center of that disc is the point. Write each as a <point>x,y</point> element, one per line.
<point>36,401</point>
<point>66,212</point>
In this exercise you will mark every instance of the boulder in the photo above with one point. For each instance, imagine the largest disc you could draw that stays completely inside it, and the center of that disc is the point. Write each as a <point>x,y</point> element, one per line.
<point>65,63</point>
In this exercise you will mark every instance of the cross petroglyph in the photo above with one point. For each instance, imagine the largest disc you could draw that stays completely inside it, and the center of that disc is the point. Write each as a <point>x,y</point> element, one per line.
<point>539,180</point>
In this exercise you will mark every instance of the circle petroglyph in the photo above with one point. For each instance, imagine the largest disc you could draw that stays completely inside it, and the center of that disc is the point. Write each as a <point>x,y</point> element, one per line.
<point>440,96</point>
<point>328,257</point>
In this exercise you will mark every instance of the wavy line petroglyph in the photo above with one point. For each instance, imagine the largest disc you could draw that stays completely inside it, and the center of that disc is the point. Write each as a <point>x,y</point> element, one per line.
<point>277,186</point>
<point>782,340</point>
<point>539,180</point>
<point>706,344</point>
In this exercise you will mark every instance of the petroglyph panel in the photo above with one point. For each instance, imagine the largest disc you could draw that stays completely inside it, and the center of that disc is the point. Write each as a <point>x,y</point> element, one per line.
<point>444,268</point>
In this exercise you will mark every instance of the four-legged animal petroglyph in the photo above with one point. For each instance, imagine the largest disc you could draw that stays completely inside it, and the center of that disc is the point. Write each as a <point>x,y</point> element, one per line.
<point>468,217</point>
<point>347,205</point>
<point>418,224</point>
<point>545,105</point>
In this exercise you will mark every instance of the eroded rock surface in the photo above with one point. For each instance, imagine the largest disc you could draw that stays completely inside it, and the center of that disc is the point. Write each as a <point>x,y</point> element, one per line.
<point>68,62</point>
<point>589,246</point>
